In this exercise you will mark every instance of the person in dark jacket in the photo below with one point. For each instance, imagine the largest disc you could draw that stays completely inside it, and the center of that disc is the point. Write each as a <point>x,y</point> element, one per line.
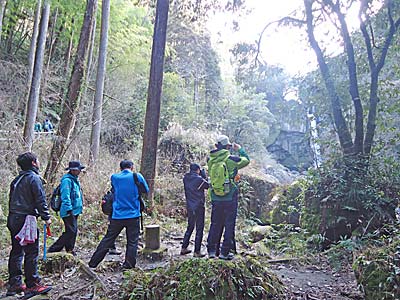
<point>27,201</point>
<point>195,184</point>
<point>71,207</point>
<point>126,214</point>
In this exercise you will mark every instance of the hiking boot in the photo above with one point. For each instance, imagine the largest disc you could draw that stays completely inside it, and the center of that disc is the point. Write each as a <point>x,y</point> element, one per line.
<point>126,266</point>
<point>229,256</point>
<point>198,254</point>
<point>185,251</point>
<point>114,251</point>
<point>16,289</point>
<point>37,289</point>
<point>211,255</point>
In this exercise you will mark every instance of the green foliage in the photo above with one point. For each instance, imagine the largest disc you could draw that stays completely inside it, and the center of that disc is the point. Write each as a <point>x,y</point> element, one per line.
<point>378,269</point>
<point>206,279</point>
<point>340,255</point>
<point>344,198</point>
<point>246,118</point>
<point>289,204</point>
<point>287,240</point>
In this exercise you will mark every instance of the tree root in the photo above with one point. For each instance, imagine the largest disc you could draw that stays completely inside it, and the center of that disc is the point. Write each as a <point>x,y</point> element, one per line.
<point>77,289</point>
<point>92,275</point>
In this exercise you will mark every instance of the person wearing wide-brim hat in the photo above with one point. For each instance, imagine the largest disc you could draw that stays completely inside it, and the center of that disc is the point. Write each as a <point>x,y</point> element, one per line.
<point>71,207</point>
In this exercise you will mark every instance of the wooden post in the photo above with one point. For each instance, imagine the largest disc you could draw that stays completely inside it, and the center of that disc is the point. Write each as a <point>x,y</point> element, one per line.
<point>152,237</point>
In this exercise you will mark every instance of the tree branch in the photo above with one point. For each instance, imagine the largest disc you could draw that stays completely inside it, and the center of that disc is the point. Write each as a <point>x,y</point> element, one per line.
<point>286,19</point>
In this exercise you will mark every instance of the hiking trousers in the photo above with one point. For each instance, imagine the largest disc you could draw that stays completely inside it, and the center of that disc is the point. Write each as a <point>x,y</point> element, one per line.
<point>68,237</point>
<point>223,217</point>
<point>132,228</point>
<point>28,253</point>
<point>195,219</point>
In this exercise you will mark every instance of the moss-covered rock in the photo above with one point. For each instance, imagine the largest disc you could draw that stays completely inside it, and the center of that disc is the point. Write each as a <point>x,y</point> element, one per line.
<point>288,203</point>
<point>57,262</point>
<point>257,233</point>
<point>241,278</point>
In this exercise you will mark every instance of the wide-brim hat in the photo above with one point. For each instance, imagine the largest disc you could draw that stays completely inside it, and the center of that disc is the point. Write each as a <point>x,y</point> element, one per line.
<point>75,165</point>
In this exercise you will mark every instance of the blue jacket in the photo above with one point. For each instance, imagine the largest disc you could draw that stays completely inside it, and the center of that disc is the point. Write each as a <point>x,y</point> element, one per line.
<point>194,186</point>
<point>126,203</point>
<point>71,195</point>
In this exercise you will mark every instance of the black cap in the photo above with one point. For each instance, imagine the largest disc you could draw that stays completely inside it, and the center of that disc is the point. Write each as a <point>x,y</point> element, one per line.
<point>126,164</point>
<point>194,167</point>
<point>75,165</point>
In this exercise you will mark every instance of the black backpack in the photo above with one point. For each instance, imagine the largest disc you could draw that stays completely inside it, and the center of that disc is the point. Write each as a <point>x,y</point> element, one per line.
<point>108,198</point>
<point>55,200</point>
<point>107,203</point>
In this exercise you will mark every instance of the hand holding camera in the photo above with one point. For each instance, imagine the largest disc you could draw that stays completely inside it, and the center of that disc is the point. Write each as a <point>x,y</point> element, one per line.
<point>236,147</point>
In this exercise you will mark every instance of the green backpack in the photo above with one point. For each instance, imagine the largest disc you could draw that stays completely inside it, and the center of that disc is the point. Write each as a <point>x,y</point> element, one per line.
<point>219,176</point>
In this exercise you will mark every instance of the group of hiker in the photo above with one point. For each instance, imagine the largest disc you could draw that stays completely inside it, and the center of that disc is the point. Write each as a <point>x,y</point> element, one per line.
<point>46,126</point>
<point>224,193</point>
<point>27,201</point>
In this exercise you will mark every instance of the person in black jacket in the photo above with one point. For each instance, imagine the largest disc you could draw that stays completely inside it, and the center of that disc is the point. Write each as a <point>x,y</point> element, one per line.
<point>194,183</point>
<point>27,201</point>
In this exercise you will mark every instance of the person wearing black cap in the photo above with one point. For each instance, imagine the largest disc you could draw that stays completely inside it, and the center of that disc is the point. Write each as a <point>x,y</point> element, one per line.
<point>71,207</point>
<point>125,214</point>
<point>195,183</point>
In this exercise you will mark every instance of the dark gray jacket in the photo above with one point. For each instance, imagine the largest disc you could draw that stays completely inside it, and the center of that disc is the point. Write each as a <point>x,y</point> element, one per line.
<point>27,197</point>
<point>194,186</point>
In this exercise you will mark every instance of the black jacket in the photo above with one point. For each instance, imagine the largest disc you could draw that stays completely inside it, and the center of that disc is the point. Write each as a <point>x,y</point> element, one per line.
<point>28,196</point>
<point>194,190</point>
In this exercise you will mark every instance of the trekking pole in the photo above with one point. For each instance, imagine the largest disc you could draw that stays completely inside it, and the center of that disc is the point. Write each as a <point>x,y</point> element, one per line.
<point>141,223</point>
<point>44,241</point>
<point>46,233</point>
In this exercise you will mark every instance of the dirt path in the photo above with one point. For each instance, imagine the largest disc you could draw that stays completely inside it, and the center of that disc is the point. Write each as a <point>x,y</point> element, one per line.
<point>313,282</point>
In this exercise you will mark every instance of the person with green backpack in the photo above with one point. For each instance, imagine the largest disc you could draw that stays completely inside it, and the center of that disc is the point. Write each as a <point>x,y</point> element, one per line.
<point>224,193</point>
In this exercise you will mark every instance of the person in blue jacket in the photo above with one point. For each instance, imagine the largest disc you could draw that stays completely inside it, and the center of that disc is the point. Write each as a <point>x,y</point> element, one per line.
<point>195,183</point>
<point>71,207</point>
<point>126,214</point>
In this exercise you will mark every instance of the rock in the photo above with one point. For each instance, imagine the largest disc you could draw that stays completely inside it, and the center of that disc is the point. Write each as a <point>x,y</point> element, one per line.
<point>258,232</point>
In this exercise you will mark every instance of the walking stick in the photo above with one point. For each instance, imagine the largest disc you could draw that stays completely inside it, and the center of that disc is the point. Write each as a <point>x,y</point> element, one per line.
<point>44,241</point>
<point>46,233</point>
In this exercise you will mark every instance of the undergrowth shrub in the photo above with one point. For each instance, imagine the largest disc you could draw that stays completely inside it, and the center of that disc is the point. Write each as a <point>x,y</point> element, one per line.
<point>290,200</point>
<point>344,198</point>
<point>205,279</point>
<point>377,267</point>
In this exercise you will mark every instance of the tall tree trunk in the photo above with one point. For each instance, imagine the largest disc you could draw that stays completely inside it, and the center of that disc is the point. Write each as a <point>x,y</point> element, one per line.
<point>71,102</point>
<point>343,132</point>
<point>101,72</point>
<point>32,48</point>
<point>86,104</point>
<point>152,118</point>
<point>67,56</point>
<point>89,60</point>
<point>33,100</point>
<point>375,67</point>
<point>353,82</point>
<point>46,70</point>
<point>2,9</point>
